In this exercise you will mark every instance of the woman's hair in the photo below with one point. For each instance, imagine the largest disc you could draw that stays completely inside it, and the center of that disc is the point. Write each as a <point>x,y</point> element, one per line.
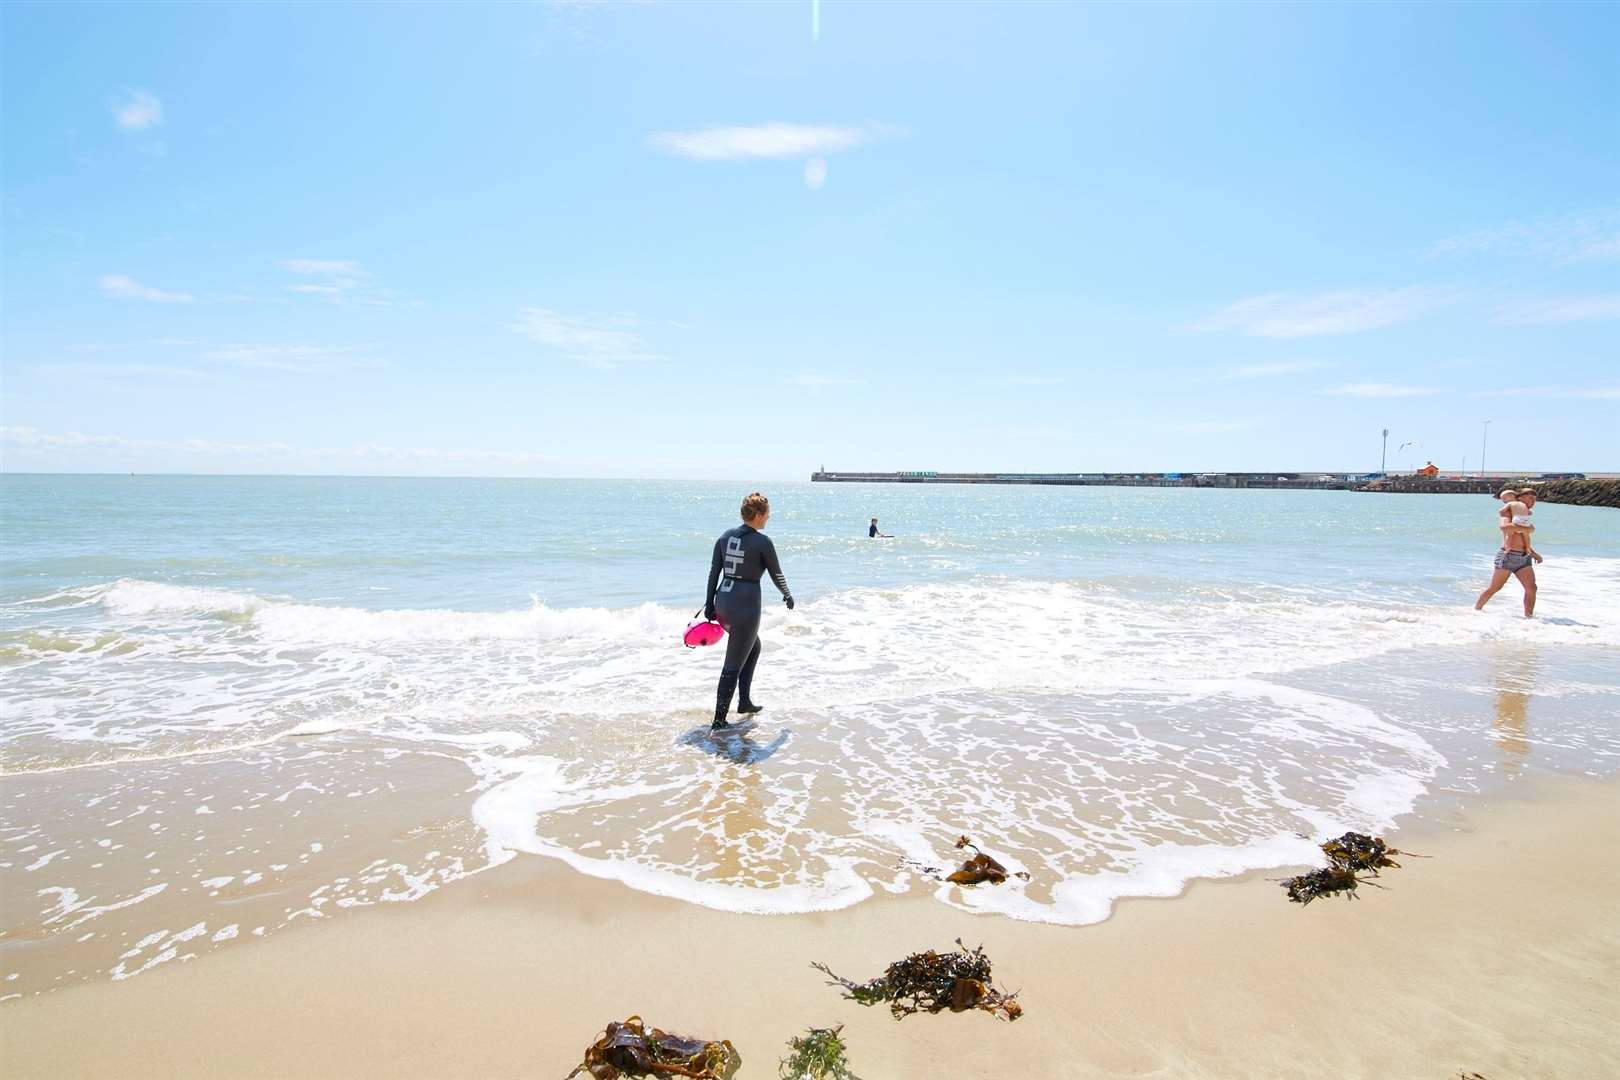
<point>755,505</point>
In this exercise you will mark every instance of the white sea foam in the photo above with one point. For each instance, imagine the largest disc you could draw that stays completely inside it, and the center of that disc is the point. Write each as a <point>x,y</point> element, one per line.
<point>1109,740</point>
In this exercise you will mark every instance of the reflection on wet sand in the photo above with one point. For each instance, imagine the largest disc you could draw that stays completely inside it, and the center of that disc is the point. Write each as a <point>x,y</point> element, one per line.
<point>734,822</point>
<point>1514,675</point>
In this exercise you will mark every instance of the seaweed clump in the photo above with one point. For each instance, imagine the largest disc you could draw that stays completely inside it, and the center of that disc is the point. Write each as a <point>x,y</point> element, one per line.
<point>980,867</point>
<point>1328,881</point>
<point>817,1055</point>
<point>1347,856</point>
<point>932,982</point>
<point>1358,851</point>
<point>629,1049</point>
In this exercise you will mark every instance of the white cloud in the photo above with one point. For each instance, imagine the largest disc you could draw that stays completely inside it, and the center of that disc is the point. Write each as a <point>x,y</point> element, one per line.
<point>1594,235</point>
<point>780,141</point>
<point>601,341</point>
<point>74,449</point>
<point>341,275</point>
<point>1209,427</point>
<point>118,371</point>
<point>1346,311</point>
<point>1284,367</point>
<point>1381,390</point>
<point>341,281</point>
<point>816,382</point>
<point>120,287</point>
<point>344,268</point>
<point>303,359</point>
<point>1599,393</point>
<point>137,110</point>
<point>1596,307</point>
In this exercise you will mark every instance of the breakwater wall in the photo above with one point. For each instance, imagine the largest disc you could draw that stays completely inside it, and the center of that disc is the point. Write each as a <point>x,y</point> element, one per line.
<point>1392,483</point>
<point>1580,492</point>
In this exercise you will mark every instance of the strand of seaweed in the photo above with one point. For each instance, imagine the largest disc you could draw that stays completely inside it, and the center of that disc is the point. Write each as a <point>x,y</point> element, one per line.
<point>980,867</point>
<point>932,982</point>
<point>629,1049</point>
<point>1348,857</point>
<point>818,1054</point>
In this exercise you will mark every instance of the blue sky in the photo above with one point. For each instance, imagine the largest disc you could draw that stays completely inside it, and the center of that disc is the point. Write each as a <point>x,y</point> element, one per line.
<point>695,240</point>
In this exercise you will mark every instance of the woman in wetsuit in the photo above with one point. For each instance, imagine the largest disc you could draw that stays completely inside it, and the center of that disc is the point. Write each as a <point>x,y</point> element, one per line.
<point>741,557</point>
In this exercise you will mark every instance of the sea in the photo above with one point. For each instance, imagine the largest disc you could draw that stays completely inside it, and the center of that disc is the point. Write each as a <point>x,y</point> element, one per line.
<point>232,705</point>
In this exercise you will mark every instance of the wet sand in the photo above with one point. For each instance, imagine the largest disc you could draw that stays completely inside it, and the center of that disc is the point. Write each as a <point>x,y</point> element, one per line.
<point>1500,955</point>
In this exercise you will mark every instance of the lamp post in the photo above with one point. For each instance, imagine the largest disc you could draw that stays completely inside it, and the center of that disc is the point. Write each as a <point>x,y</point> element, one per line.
<point>1485,434</point>
<point>1383,455</point>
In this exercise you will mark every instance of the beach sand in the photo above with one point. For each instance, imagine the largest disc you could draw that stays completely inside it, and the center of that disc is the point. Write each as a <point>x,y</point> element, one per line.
<point>1499,955</point>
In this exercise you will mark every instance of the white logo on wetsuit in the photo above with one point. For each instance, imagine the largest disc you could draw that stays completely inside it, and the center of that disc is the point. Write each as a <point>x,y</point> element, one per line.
<point>734,561</point>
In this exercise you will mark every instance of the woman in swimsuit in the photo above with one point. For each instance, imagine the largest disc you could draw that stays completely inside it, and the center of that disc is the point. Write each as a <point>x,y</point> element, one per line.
<point>1516,555</point>
<point>741,557</point>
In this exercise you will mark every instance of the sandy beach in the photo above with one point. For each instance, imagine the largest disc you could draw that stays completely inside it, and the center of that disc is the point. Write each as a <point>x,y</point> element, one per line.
<point>1498,955</point>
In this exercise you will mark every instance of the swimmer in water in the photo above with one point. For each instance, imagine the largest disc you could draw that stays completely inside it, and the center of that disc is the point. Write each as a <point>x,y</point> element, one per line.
<point>741,557</point>
<point>873,534</point>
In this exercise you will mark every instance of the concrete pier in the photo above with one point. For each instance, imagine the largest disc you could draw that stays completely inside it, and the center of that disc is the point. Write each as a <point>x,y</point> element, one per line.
<point>1392,482</point>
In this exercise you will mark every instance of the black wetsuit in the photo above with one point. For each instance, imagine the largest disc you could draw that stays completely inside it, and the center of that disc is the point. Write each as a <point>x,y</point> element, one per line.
<point>742,556</point>
<point>871,534</point>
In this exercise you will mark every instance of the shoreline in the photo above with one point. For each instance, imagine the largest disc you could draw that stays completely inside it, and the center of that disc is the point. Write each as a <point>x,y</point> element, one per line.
<point>1496,955</point>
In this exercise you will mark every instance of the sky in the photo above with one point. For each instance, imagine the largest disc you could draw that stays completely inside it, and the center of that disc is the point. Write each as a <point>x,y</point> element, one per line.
<point>744,241</point>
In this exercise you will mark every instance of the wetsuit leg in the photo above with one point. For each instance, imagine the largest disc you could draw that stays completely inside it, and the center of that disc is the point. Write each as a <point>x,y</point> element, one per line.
<point>745,681</point>
<point>740,615</point>
<point>722,698</point>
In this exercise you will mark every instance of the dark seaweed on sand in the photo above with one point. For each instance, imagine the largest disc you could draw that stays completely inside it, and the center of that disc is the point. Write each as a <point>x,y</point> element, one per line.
<point>932,982</point>
<point>629,1049</point>
<point>980,867</point>
<point>1358,851</point>
<point>1346,855</point>
<point>1328,881</point>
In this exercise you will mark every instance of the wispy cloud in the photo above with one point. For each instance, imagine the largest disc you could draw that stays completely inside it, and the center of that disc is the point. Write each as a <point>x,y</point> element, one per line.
<point>815,383</point>
<point>1346,311</point>
<point>1599,393</point>
<point>302,359</point>
<point>1208,427</point>
<point>212,455</point>
<point>1594,235</point>
<point>341,281</point>
<point>333,268</point>
<point>1594,307</point>
<point>1382,390</point>
<point>810,143</point>
<point>98,370</point>
<point>137,110</point>
<point>1283,367</point>
<point>603,341</point>
<point>104,346</point>
<point>120,287</point>
<point>781,141</point>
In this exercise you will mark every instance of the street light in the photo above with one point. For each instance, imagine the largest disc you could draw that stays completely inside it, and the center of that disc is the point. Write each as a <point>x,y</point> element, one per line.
<point>1485,434</point>
<point>1383,455</point>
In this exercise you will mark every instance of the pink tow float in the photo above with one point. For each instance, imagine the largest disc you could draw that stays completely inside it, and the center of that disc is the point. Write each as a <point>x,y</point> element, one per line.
<point>702,632</point>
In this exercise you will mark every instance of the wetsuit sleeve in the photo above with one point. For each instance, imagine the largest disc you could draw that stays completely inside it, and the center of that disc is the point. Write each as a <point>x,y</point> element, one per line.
<point>714,572</point>
<point>775,568</point>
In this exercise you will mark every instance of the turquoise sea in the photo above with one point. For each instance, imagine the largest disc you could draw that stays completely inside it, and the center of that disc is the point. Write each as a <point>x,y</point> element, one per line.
<point>230,703</point>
